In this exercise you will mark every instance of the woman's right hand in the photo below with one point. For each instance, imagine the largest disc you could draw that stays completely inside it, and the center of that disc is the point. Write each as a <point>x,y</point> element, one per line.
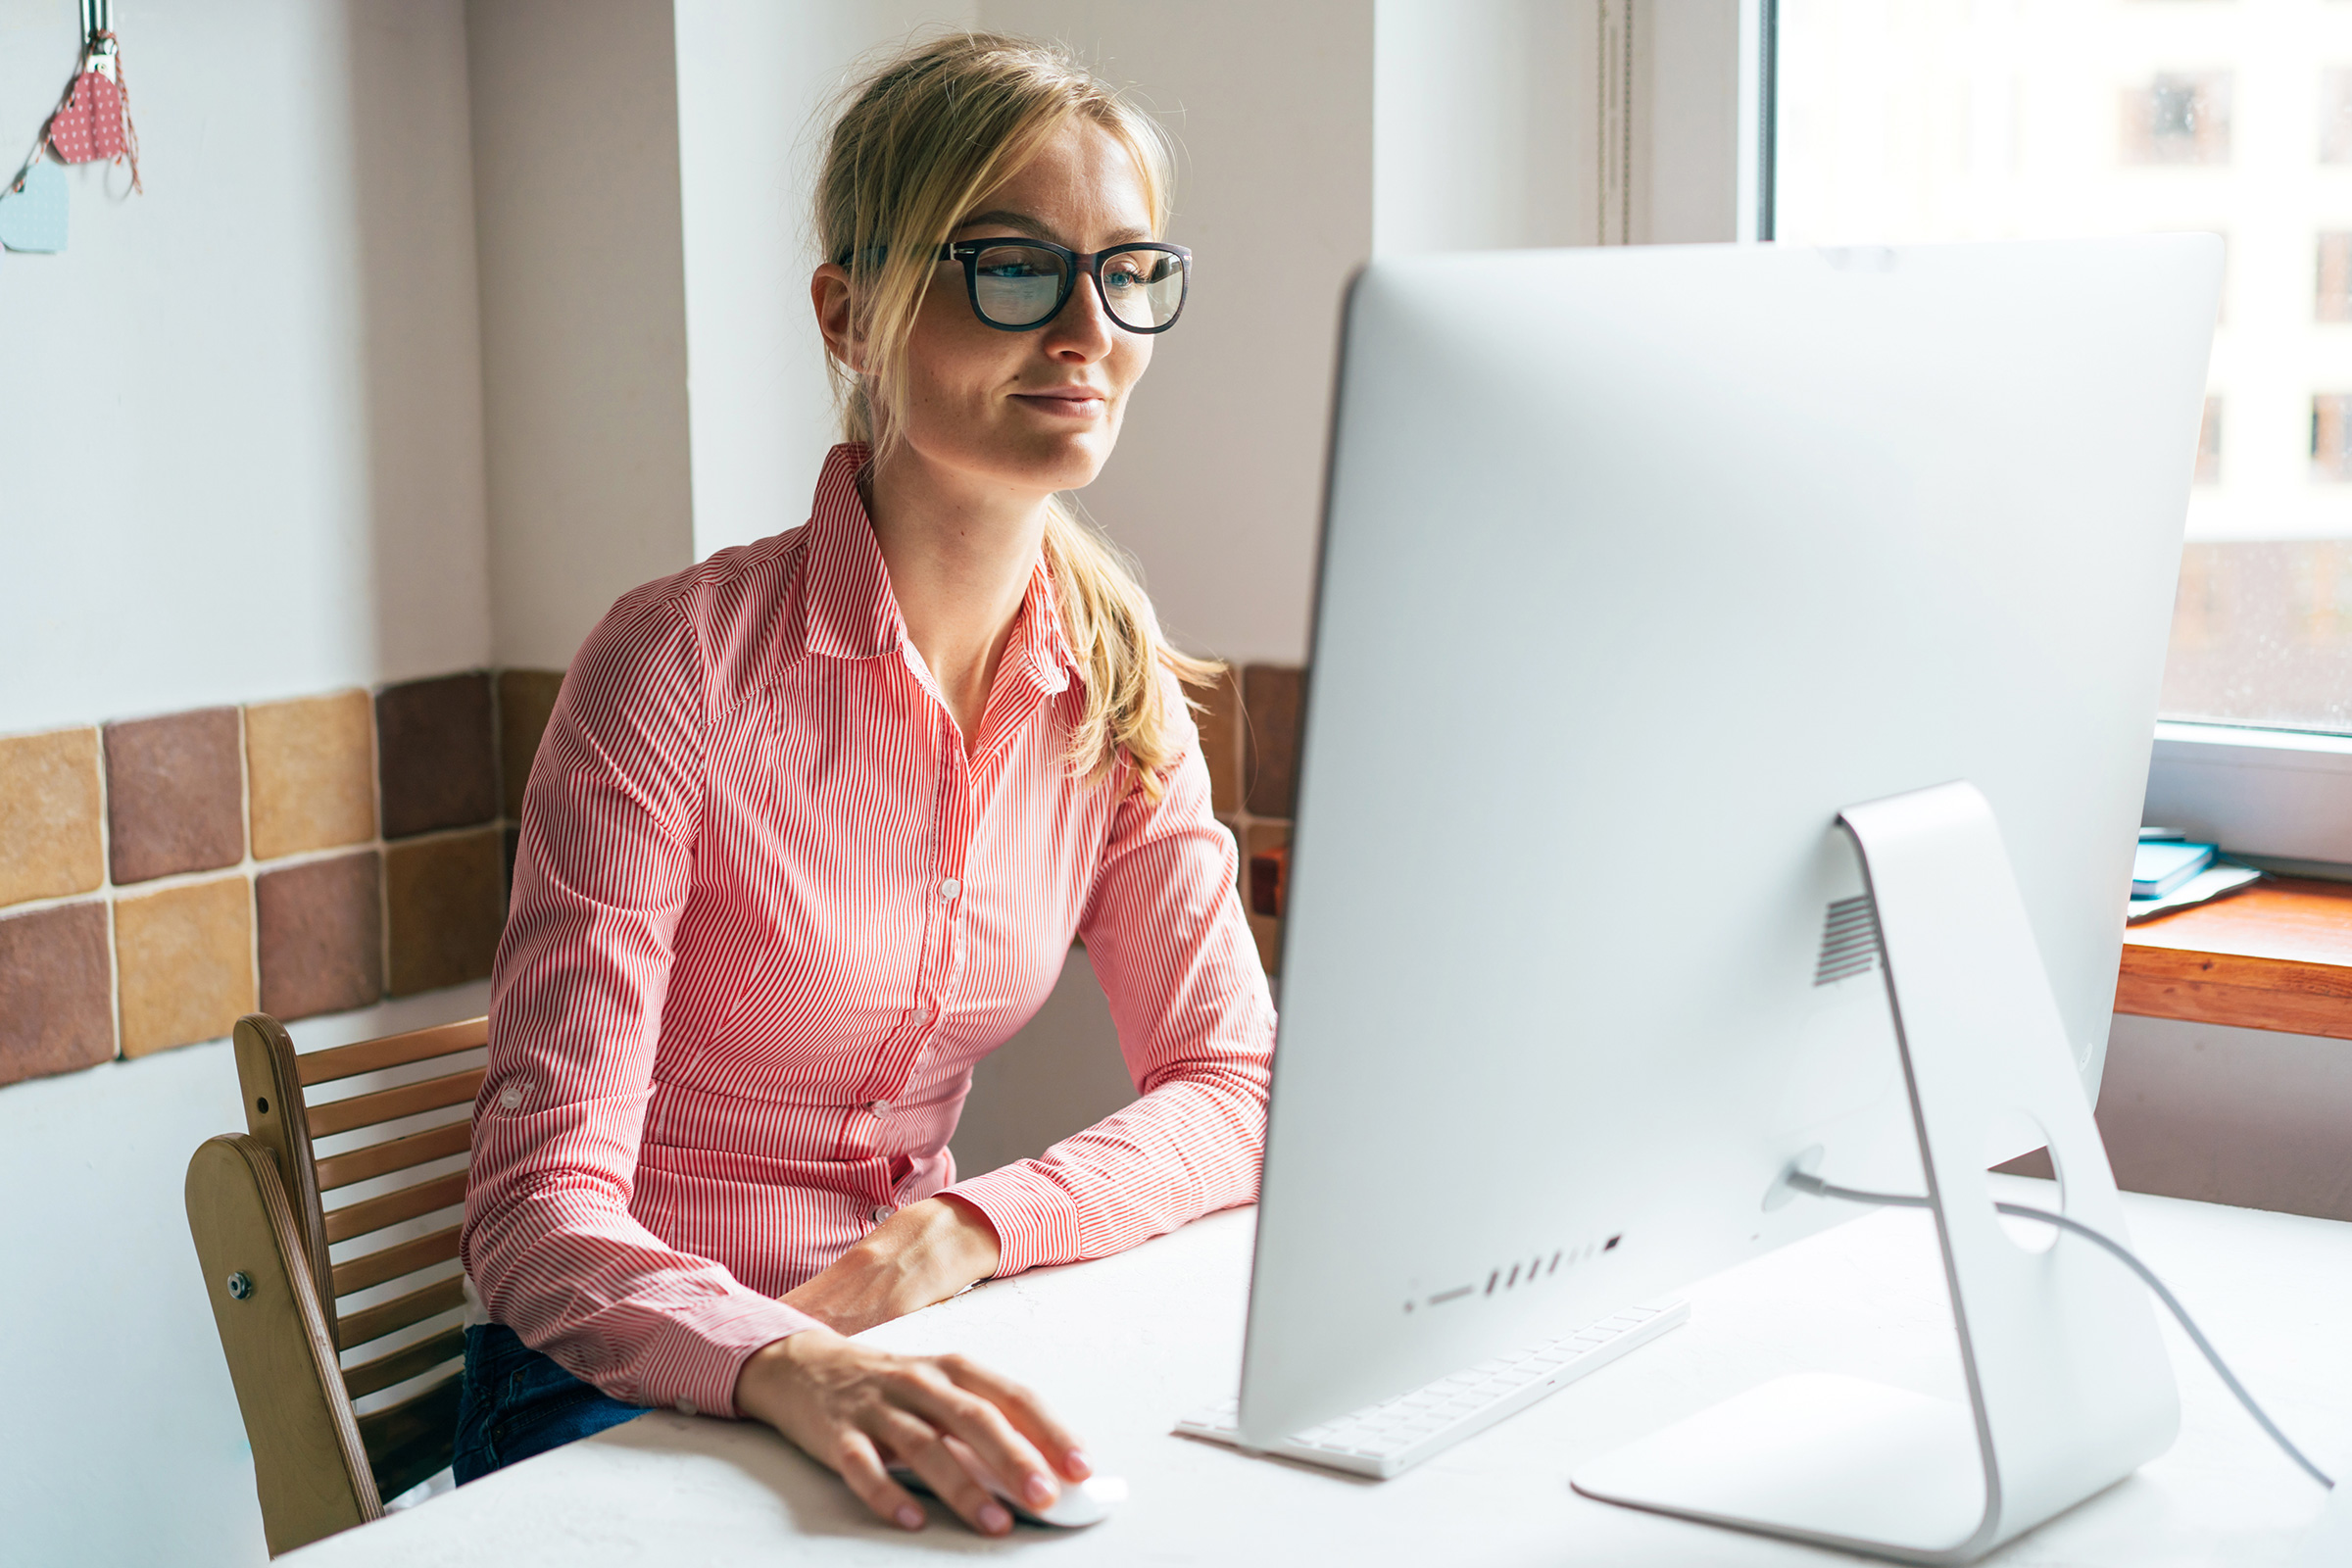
<point>860,1411</point>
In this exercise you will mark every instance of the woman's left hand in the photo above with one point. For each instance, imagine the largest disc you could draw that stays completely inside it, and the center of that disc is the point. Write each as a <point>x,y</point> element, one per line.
<point>925,1252</point>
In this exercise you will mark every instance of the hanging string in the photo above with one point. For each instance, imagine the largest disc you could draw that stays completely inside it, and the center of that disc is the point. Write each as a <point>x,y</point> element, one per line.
<point>130,131</point>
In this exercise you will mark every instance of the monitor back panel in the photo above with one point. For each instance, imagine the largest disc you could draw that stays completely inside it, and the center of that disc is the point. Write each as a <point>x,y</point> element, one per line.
<point>1638,565</point>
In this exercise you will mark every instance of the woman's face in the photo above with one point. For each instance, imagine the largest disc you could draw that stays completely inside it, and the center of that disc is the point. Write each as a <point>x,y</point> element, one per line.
<point>1038,410</point>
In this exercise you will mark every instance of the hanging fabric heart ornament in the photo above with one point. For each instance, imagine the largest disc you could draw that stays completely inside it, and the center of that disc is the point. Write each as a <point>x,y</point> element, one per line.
<point>32,212</point>
<point>87,127</point>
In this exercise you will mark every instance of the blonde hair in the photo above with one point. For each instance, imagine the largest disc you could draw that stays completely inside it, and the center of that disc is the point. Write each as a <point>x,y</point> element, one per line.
<point>923,138</point>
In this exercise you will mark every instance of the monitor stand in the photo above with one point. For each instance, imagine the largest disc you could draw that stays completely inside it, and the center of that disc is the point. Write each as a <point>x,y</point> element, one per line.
<point>2069,1387</point>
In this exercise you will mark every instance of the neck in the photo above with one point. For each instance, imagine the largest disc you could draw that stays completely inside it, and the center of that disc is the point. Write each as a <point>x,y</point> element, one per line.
<point>959,552</point>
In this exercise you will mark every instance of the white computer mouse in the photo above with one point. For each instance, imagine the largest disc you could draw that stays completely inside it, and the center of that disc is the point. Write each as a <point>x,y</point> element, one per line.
<point>1082,1502</point>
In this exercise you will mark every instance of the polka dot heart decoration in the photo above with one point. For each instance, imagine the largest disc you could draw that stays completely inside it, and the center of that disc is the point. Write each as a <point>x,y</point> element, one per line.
<point>91,124</point>
<point>87,127</point>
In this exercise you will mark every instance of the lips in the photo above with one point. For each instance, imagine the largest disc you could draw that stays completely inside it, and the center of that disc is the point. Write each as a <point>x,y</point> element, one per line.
<point>1067,401</point>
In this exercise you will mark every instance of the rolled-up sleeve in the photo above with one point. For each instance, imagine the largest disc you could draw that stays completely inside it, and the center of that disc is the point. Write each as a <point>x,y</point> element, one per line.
<point>602,874</point>
<point>1164,929</point>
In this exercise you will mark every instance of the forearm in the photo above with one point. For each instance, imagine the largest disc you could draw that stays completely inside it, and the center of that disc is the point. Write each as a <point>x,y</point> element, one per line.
<point>925,1252</point>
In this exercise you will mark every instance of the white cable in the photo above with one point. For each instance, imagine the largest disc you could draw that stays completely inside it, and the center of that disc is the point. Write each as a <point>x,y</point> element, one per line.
<point>1804,1183</point>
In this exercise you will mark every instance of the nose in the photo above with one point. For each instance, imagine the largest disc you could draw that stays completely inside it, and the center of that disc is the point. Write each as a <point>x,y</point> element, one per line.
<point>1084,331</point>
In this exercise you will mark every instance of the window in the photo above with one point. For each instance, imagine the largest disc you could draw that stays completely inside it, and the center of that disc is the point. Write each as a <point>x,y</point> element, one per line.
<point>1952,119</point>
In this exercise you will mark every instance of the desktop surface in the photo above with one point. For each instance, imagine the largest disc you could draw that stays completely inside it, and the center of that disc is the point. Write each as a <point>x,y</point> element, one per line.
<point>1123,1346</point>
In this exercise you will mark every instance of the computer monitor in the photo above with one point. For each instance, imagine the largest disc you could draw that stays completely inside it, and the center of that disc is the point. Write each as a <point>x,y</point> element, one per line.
<point>1638,567</point>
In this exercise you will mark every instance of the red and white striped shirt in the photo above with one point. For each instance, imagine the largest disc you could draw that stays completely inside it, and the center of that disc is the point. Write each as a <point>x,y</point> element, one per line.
<point>766,918</point>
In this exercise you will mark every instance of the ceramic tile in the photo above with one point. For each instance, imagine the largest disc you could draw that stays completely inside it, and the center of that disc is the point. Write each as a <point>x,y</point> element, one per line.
<point>1220,721</point>
<point>434,754</point>
<point>320,925</point>
<point>59,981</point>
<point>525,696</point>
<point>175,795</point>
<point>312,766</point>
<point>446,901</point>
<point>1270,872</point>
<point>187,962</point>
<point>1268,932</point>
<point>49,838</point>
<point>1270,695</point>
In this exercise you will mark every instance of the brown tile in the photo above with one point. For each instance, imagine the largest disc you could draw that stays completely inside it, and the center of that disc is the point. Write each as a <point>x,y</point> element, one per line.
<point>525,696</point>
<point>175,794</point>
<point>1220,721</point>
<point>187,963</point>
<point>1267,879</point>
<point>311,768</point>
<point>54,971</point>
<point>321,935</point>
<point>1270,694</point>
<point>49,841</point>
<point>433,754</point>
<point>1268,932</point>
<point>446,902</point>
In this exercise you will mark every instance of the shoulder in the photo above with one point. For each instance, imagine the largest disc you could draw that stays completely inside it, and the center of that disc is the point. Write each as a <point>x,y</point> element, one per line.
<point>722,622</point>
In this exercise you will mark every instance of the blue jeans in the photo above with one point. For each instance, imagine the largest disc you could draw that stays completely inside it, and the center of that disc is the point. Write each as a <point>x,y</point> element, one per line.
<point>515,1402</point>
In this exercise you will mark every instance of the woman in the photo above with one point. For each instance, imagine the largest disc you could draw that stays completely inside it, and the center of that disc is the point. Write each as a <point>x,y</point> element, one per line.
<point>814,824</point>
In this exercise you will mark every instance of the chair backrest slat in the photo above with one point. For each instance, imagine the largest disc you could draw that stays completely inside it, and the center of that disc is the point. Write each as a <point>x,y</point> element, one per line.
<point>391,1263</point>
<point>385,1451</point>
<point>375,1322</point>
<point>403,1364</point>
<point>392,1050</point>
<point>389,1104</point>
<point>374,1214</point>
<point>395,1154</point>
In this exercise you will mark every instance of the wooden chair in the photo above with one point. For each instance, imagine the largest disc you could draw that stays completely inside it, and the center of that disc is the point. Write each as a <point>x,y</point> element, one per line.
<point>262,1237</point>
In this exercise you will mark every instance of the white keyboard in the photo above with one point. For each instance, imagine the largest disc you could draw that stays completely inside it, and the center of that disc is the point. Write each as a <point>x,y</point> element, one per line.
<point>1391,1438</point>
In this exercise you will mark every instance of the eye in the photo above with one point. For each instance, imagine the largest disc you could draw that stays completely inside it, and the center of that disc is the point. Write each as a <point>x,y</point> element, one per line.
<point>1011,269</point>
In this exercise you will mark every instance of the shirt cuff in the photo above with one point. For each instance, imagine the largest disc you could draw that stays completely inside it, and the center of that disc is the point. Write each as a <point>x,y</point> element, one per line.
<point>1036,1221</point>
<point>691,1356</point>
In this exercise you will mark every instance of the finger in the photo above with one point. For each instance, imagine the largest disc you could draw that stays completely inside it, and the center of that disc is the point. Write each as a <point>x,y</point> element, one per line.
<point>955,1410</point>
<point>858,1465</point>
<point>921,1445</point>
<point>1026,1411</point>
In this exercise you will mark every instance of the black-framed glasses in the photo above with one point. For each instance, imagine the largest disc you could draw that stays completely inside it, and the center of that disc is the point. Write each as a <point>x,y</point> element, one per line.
<point>1017,285</point>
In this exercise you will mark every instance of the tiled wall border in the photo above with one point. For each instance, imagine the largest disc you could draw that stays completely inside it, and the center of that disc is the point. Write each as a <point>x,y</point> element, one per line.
<point>160,876</point>
<point>1250,739</point>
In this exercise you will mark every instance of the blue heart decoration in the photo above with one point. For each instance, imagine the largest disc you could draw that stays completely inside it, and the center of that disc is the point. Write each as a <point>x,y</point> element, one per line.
<point>35,219</point>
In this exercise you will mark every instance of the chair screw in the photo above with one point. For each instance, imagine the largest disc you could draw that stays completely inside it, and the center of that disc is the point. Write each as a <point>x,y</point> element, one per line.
<point>240,1285</point>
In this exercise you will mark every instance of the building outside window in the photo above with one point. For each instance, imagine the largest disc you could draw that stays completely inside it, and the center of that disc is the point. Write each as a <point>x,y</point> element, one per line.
<point>1959,119</point>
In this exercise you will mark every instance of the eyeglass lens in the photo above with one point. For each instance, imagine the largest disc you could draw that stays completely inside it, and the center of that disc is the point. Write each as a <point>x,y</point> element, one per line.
<point>1018,285</point>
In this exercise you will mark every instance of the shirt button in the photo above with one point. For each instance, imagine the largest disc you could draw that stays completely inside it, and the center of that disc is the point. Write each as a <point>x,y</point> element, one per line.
<point>922,1013</point>
<point>949,888</point>
<point>877,1106</point>
<point>688,1407</point>
<point>883,1211</point>
<point>512,1098</point>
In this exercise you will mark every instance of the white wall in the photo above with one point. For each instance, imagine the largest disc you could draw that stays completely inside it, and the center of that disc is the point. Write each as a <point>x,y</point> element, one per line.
<point>240,423</point>
<point>576,199</point>
<point>1484,131</point>
<point>754,81</point>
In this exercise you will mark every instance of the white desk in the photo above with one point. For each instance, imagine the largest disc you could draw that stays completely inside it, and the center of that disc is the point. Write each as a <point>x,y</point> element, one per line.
<point>1123,1346</point>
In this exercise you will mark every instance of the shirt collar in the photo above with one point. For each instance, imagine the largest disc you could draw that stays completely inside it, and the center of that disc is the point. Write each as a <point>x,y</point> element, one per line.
<point>851,611</point>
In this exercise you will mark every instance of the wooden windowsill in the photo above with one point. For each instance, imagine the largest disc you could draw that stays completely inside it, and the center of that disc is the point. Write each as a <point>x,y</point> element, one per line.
<point>2277,956</point>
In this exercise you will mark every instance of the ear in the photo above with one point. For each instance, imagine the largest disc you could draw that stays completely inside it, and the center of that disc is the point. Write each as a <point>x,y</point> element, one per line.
<point>829,294</point>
